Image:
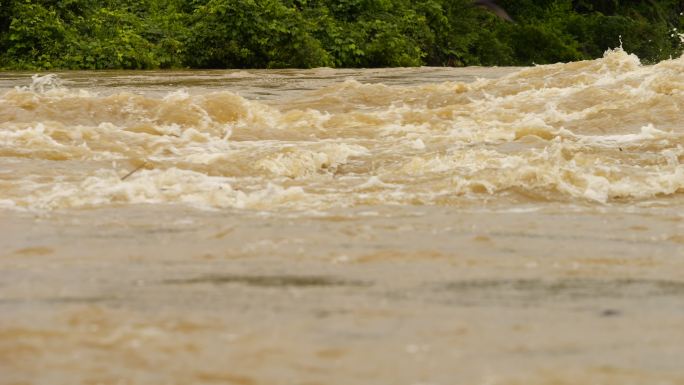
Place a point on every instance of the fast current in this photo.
(593, 132)
(434, 226)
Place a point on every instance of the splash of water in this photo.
(606, 130)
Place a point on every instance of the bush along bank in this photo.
(150, 34)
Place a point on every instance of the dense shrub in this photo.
(252, 33)
(141, 34)
(83, 34)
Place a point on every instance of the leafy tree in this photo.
(252, 33)
(139, 34)
(35, 36)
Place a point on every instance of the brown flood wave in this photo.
(607, 130)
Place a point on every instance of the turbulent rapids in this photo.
(436, 226)
(608, 130)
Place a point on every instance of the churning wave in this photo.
(606, 130)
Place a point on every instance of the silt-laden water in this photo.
(389, 226)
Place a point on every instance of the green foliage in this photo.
(252, 33)
(35, 36)
(85, 34)
(145, 34)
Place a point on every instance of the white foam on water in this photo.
(154, 187)
(594, 131)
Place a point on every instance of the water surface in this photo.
(387, 226)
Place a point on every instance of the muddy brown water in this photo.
(390, 226)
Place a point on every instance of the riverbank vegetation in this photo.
(149, 34)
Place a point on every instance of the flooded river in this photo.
(434, 226)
